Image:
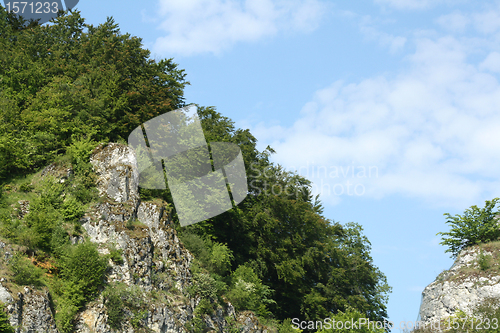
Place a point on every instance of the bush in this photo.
(114, 304)
(59, 240)
(72, 209)
(215, 257)
(71, 301)
(118, 297)
(44, 216)
(484, 261)
(82, 271)
(24, 272)
(80, 150)
(247, 292)
(25, 187)
(475, 226)
(116, 255)
(203, 285)
(83, 266)
(220, 258)
(5, 326)
(287, 327)
(197, 246)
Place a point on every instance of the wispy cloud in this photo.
(455, 22)
(408, 4)
(431, 130)
(368, 28)
(200, 26)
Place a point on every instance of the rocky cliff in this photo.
(153, 271)
(472, 281)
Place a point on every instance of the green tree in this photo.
(247, 292)
(475, 226)
(316, 267)
(70, 78)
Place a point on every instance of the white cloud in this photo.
(431, 131)
(455, 22)
(488, 21)
(492, 62)
(198, 26)
(394, 43)
(407, 4)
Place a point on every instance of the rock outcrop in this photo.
(154, 265)
(464, 287)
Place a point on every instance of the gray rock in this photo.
(5, 296)
(155, 262)
(32, 313)
(117, 173)
(455, 290)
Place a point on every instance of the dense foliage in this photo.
(66, 86)
(475, 226)
(70, 79)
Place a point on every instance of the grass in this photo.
(486, 264)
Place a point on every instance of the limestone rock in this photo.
(154, 266)
(116, 169)
(463, 287)
(32, 313)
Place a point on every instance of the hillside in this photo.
(466, 296)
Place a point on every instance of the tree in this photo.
(316, 267)
(66, 86)
(71, 78)
(475, 226)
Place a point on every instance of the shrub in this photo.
(24, 272)
(42, 221)
(203, 285)
(114, 304)
(197, 246)
(247, 292)
(84, 266)
(72, 299)
(116, 255)
(72, 209)
(204, 307)
(475, 226)
(220, 259)
(215, 257)
(5, 326)
(82, 270)
(59, 240)
(80, 150)
(25, 187)
(287, 327)
(484, 261)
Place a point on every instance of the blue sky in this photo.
(408, 89)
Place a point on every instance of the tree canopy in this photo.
(475, 226)
(69, 79)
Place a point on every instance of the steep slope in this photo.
(148, 275)
(473, 281)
